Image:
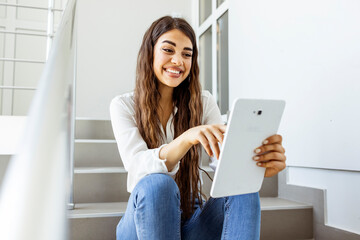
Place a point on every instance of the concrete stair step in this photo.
(84, 170)
(96, 153)
(281, 219)
(100, 153)
(93, 210)
(93, 129)
(108, 184)
(95, 140)
(100, 185)
(286, 220)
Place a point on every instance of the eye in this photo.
(167, 50)
(188, 55)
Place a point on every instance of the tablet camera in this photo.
(258, 112)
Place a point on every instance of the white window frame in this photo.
(211, 21)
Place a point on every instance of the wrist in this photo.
(185, 140)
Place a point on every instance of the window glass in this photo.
(219, 2)
(223, 63)
(204, 10)
(205, 59)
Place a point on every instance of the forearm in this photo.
(174, 151)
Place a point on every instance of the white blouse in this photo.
(140, 161)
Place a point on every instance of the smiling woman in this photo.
(160, 125)
(163, 129)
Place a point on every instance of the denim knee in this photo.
(250, 200)
(156, 185)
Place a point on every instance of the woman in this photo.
(161, 129)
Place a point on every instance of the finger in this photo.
(273, 139)
(218, 134)
(205, 143)
(272, 167)
(276, 165)
(270, 156)
(272, 147)
(214, 143)
(221, 127)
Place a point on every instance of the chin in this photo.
(173, 84)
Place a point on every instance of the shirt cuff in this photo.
(162, 161)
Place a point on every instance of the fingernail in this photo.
(266, 141)
(258, 150)
(256, 158)
(259, 164)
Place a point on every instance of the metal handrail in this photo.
(17, 88)
(20, 60)
(35, 189)
(28, 34)
(71, 137)
(28, 6)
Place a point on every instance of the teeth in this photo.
(172, 71)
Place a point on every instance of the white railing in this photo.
(49, 35)
(35, 190)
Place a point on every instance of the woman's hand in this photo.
(271, 155)
(208, 135)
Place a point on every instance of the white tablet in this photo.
(251, 121)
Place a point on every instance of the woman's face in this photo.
(172, 58)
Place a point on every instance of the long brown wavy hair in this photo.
(186, 97)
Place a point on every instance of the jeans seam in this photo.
(179, 225)
(139, 215)
(226, 216)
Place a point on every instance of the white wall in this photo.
(307, 53)
(12, 129)
(109, 36)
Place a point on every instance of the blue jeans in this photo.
(153, 212)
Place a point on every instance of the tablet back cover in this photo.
(236, 172)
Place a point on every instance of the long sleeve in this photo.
(138, 160)
(212, 115)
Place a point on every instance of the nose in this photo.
(176, 60)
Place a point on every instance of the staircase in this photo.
(100, 194)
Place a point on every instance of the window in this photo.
(213, 50)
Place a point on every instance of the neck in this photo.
(166, 93)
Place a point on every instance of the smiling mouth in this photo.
(173, 71)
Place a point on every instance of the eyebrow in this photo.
(174, 44)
